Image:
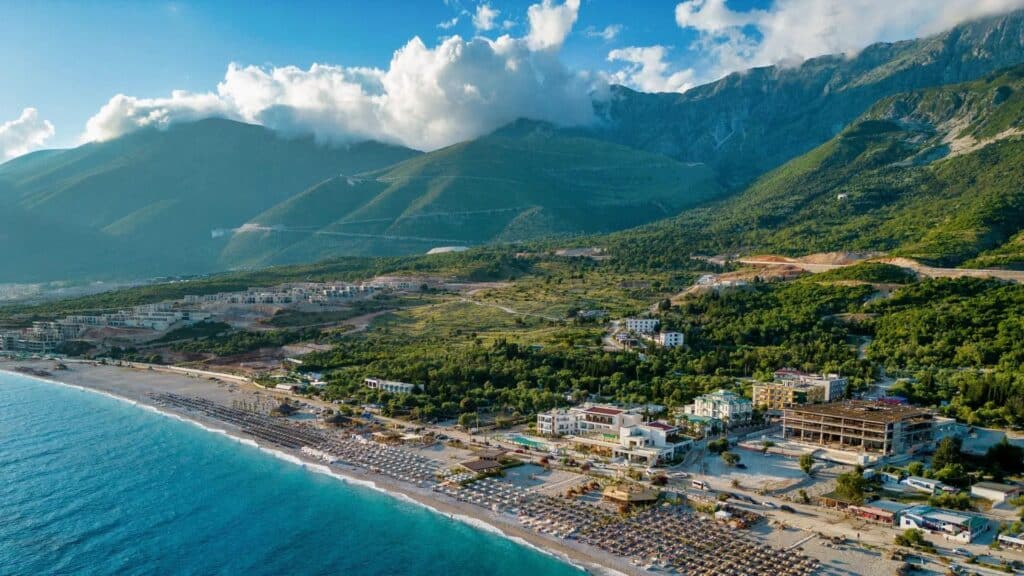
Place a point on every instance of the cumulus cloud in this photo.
(793, 30)
(28, 132)
(646, 70)
(608, 33)
(485, 17)
(550, 23)
(428, 97)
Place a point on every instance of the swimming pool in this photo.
(524, 441)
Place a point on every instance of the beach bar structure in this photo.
(951, 525)
(871, 430)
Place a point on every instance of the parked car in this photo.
(787, 508)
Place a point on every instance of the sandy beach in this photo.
(135, 385)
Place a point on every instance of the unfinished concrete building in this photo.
(873, 430)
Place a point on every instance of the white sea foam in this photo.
(476, 523)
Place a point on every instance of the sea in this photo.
(90, 484)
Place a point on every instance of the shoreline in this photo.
(574, 554)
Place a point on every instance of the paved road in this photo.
(921, 269)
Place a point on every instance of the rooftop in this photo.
(660, 425)
(604, 410)
(480, 465)
(1004, 488)
(863, 410)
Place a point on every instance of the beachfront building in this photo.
(833, 385)
(864, 431)
(643, 444)
(642, 325)
(723, 405)
(995, 492)
(884, 512)
(587, 419)
(951, 525)
(389, 386)
(557, 422)
(777, 395)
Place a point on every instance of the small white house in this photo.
(669, 339)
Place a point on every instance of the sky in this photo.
(422, 73)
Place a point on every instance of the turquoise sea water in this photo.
(92, 485)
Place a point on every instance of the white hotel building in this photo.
(724, 405)
(389, 386)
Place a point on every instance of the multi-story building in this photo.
(642, 325)
(833, 384)
(778, 395)
(669, 339)
(648, 444)
(729, 407)
(557, 422)
(869, 430)
(389, 386)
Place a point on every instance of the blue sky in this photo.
(66, 60)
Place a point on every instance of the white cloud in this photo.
(608, 33)
(449, 24)
(484, 18)
(428, 97)
(550, 23)
(793, 30)
(28, 132)
(647, 71)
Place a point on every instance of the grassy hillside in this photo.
(162, 192)
(524, 181)
(935, 175)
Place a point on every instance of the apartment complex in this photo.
(669, 339)
(778, 395)
(46, 337)
(729, 407)
(642, 325)
(833, 384)
(870, 430)
(389, 386)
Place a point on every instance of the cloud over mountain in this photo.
(793, 30)
(428, 97)
(24, 134)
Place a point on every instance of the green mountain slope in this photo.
(751, 122)
(162, 192)
(936, 175)
(524, 181)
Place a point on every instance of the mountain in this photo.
(934, 174)
(524, 181)
(753, 121)
(155, 195)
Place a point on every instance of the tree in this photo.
(850, 486)
(1008, 457)
(910, 537)
(766, 445)
(915, 468)
(947, 452)
(718, 446)
(467, 420)
(807, 463)
(731, 458)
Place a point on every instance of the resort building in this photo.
(867, 430)
(834, 385)
(951, 525)
(389, 386)
(995, 492)
(884, 512)
(630, 495)
(557, 422)
(647, 444)
(777, 395)
(642, 325)
(729, 407)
